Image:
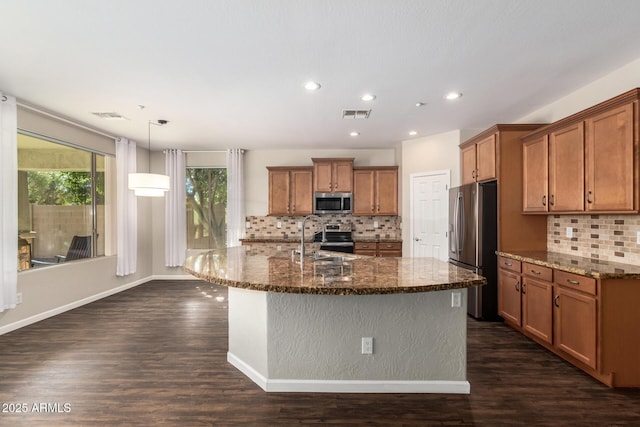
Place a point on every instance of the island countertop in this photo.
(267, 269)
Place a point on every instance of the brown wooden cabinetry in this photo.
(381, 249)
(509, 290)
(537, 293)
(587, 162)
(290, 190)
(375, 190)
(478, 160)
(499, 151)
(333, 175)
(590, 322)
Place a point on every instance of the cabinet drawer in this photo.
(364, 245)
(390, 246)
(509, 264)
(577, 282)
(537, 271)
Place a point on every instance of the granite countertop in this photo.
(573, 264)
(297, 240)
(267, 269)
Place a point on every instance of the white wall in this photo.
(257, 178)
(613, 84)
(428, 154)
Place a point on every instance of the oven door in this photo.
(344, 247)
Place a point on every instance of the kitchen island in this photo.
(300, 328)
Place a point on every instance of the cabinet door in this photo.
(537, 312)
(468, 164)
(509, 296)
(301, 192)
(322, 176)
(566, 169)
(486, 159)
(610, 160)
(343, 176)
(575, 320)
(386, 192)
(365, 248)
(534, 178)
(279, 192)
(363, 192)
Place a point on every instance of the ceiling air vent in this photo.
(110, 116)
(355, 114)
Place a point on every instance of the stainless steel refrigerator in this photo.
(473, 229)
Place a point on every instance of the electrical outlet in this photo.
(367, 345)
(279, 247)
(247, 224)
(569, 232)
(299, 225)
(19, 298)
(375, 224)
(279, 224)
(456, 299)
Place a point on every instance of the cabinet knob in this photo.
(517, 286)
(544, 200)
(555, 300)
(551, 200)
(537, 273)
(573, 282)
(589, 194)
(524, 288)
(508, 264)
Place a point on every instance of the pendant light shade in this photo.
(149, 184)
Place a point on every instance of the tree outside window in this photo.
(206, 208)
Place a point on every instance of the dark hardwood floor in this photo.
(155, 355)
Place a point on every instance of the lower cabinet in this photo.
(381, 249)
(589, 322)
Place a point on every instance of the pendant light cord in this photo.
(159, 123)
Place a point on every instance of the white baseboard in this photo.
(348, 386)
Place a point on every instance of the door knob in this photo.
(417, 239)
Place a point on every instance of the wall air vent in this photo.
(355, 114)
(110, 116)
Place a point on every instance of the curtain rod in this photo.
(62, 119)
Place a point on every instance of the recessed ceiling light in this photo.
(420, 104)
(312, 86)
(413, 132)
(354, 133)
(452, 95)
(368, 97)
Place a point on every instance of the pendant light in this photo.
(149, 184)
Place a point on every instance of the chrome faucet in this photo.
(304, 220)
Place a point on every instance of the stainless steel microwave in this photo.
(332, 203)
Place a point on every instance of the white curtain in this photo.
(175, 209)
(8, 201)
(127, 209)
(235, 196)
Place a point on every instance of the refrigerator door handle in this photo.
(460, 234)
(453, 237)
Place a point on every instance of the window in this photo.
(61, 202)
(206, 208)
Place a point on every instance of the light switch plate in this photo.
(375, 224)
(569, 232)
(279, 224)
(638, 237)
(456, 299)
(247, 224)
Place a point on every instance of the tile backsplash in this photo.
(605, 237)
(265, 227)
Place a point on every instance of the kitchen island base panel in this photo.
(312, 343)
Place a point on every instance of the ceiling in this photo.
(230, 73)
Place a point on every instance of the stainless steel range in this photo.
(335, 237)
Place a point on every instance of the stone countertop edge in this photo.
(336, 290)
(578, 265)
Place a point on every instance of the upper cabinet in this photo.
(478, 160)
(375, 190)
(496, 154)
(290, 190)
(586, 162)
(333, 175)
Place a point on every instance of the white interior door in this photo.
(430, 214)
